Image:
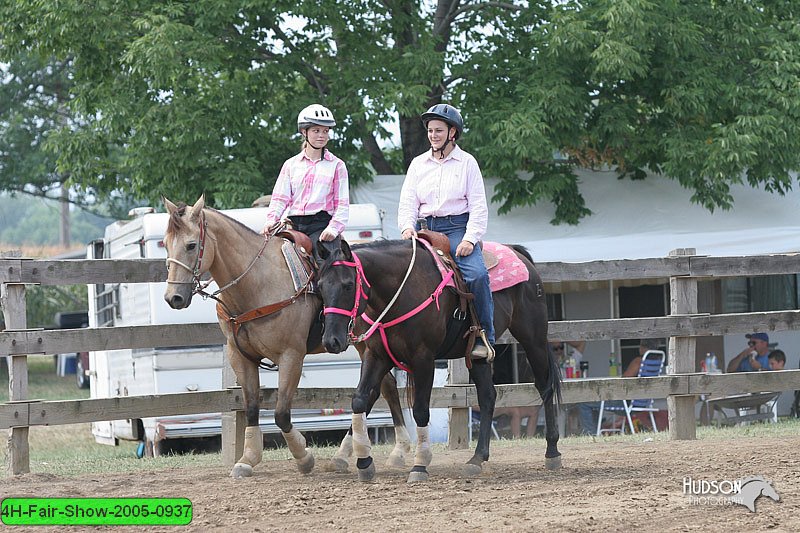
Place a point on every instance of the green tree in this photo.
(35, 93)
(181, 96)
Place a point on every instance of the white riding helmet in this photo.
(315, 114)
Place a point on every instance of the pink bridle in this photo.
(361, 280)
(380, 326)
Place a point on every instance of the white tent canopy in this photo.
(630, 220)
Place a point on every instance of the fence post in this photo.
(683, 301)
(12, 299)
(233, 422)
(458, 426)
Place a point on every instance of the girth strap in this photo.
(237, 321)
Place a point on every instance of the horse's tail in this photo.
(522, 250)
(552, 389)
(410, 390)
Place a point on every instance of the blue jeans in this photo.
(587, 411)
(472, 268)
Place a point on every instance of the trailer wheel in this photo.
(148, 449)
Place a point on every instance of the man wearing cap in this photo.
(753, 358)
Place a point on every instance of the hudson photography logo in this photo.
(726, 492)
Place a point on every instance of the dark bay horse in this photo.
(367, 278)
(252, 274)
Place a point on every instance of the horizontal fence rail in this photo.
(81, 271)
(54, 413)
(681, 267)
(39, 341)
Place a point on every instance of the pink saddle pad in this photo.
(509, 271)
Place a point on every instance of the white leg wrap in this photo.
(424, 456)
(346, 448)
(402, 439)
(253, 446)
(362, 446)
(296, 443)
(402, 446)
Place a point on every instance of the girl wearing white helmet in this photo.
(445, 186)
(312, 189)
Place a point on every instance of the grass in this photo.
(71, 450)
(43, 382)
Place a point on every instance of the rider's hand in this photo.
(328, 234)
(409, 234)
(464, 248)
(269, 229)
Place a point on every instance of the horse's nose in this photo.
(175, 301)
(332, 345)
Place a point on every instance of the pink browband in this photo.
(434, 297)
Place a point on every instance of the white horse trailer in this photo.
(134, 372)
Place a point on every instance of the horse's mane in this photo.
(176, 221)
(382, 243)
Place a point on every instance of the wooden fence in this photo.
(680, 386)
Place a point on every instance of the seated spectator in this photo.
(587, 410)
(565, 350)
(777, 360)
(753, 358)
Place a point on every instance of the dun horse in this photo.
(364, 281)
(253, 276)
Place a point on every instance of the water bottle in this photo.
(612, 365)
(714, 368)
(707, 362)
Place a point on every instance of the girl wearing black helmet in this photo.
(445, 186)
(312, 189)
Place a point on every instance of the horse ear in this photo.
(324, 249)
(171, 208)
(348, 255)
(198, 206)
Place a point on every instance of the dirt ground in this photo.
(603, 486)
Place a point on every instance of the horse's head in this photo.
(341, 286)
(187, 254)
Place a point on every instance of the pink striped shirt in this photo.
(306, 187)
(441, 187)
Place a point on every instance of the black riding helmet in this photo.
(448, 114)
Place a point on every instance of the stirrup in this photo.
(483, 351)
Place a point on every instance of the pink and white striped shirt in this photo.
(441, 187)
(306, 187)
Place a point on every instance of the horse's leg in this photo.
(247, 375)
(402, 441)
(546, 377)
(288, 379)
(481, 374)
(372, 371)
(340, 462)
(423, 382)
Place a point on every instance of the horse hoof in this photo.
(417, 477)
(241, 470)
(306, 464)
(471, 470)
(338, 465)
(367, 474)
(552, 463)
(396, 461)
